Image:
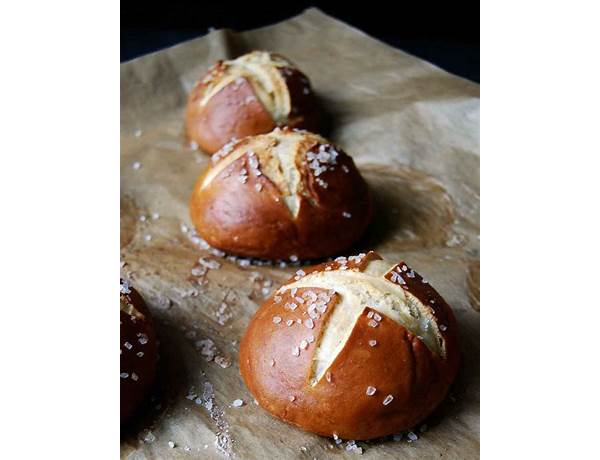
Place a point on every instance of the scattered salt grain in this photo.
(443, 327)
(171, 444)
(223, 361)
(347, 215)
(147, 237)
(237, 403)
(372, 343)
(296, 351)
(388, 399)
(371, 390)
(412, 436)
(136, 165)
(134, 377)
(276, 319)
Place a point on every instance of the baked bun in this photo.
(279, 195)
(246, 96)
(138, 351)
(358, 348)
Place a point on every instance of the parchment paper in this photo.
(412, 129)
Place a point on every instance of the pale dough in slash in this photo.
(358, 290)
(279, 156)
(261, 69)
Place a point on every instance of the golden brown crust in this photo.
(234, 100)
(272, 207)
(373, 363)
(138, 351)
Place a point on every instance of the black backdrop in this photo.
(445, 33)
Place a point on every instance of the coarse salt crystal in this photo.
(443, 327)
(304, 344)
(296, 351)
(373, 323)
(388, 399)
(372, 342)
(134, 377)
(237, 403)
(136, 165)
(276, 319)
(371, 391)
(309, 323)
(171, 444)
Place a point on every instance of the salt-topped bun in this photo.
(249, 95)
(357, 348)
(281, 195)
(138, 350)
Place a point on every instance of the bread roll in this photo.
(249, 95)
(281, 195)
(358, 348)
(138, 350)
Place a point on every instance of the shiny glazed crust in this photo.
(138, 349)
(279, 195)
(382, 379)
(246, 96)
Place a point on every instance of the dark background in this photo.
(444, 33)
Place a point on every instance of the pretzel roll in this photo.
(138, 351)
(246, 96)
(357, 348)
(281, 195)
